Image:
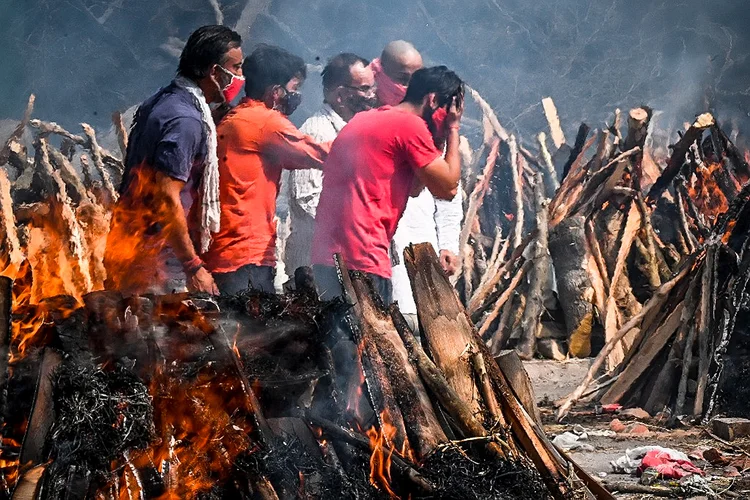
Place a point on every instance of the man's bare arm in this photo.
(442, 175)
(170, 212)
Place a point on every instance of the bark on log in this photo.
(705, 324)
(446, 327)
(638, 120)
(568, 248)
(538, 277)
(422, 425)
(460, 412)
(433, 293)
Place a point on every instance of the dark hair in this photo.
(438, 79)
(269, 65)
(208, 45)
(338, 70)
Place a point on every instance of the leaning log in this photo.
(422, 425)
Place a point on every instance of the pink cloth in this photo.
(389, 92)
(667, 466)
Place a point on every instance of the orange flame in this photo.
(380, 460)
(705, 192)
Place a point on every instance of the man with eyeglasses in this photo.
(348, 88)
(256, 142)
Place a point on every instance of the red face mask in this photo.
(439, 134)
(234, 87)
(388, 92)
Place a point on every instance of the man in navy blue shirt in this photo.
(168, 206)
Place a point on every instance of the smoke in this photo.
(86, 58)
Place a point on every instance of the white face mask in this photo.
(234, 87)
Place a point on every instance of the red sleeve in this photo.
(290, 148)
(419, 147)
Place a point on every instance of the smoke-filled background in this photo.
(86, 58)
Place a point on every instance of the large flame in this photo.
(380, 460)
(705, 192)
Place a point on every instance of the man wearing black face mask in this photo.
(348, 88)
(257, 141)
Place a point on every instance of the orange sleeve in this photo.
(286, 146)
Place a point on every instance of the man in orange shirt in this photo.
(256, 141)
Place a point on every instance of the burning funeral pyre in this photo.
(191, 396)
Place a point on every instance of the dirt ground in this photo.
(553, 380)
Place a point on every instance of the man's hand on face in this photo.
(202, 281)
(449, 262)
(455, 112)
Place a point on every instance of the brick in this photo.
(638, 430)
(635, 413)
(731, 428)
(617, 426)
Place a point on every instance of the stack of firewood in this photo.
(618, 260)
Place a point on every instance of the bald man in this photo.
(425, 219)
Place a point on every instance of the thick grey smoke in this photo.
(86, 58)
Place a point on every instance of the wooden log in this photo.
(475, 202)
(17, 133)
(570, 188)
(379, 386)
(538, 277)
(507, 294)
(122, 134)
(461, 413)
(70, 228)
(71, 178)
(488, 112)
(550, 179)
(643, 359)
(12, 255)
(583, 132)
(679, 151)
(422, 425)
(519, 381)
(517, 194)
(568, 248)
(445, 326)
(436, 297)
(638, 119)
(97, 156)
(705, 326)
(485, 385)
(656, 301)
(42, 413)
(553, 120)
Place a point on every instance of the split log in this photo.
(656, 301)
(79, 193)
(638, 120)
(652, 347)
(520, 382)
(11, 246)
(567, 246)
(570, 187)
(70, 228)
(550, 179)
(679, 151)
(517, 192)
(381, 392)
(488, 112)
(97, 156)
(485, 386)
(445, 325)
(538, 278)
(436, 297)
(122, 134)
(705, 324)
(475, 202)
(461, 413)
(553, 120)
(583, 132)
(17, 133)
(422, 425)
(507, 294)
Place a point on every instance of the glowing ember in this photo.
(705, 192)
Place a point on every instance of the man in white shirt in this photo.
(348, 88)
(425, 219)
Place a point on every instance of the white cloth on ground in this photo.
(209, 187)
(425, 220)
(304, 191)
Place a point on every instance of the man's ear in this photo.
(431, 100)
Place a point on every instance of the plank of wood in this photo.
(550, 113)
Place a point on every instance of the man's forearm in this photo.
(452, 155)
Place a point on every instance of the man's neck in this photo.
(410, 108)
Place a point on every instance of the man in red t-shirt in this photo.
(375, 162)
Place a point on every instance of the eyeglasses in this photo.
(364, 89)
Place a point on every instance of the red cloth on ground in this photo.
(389, 92)
(667, 466)
(368, 176)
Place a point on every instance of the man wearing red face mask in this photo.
(168, 207)
(370, 171)
(256, 142)
(425, 218)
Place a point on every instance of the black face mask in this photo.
(357, 102)
(290, 102)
